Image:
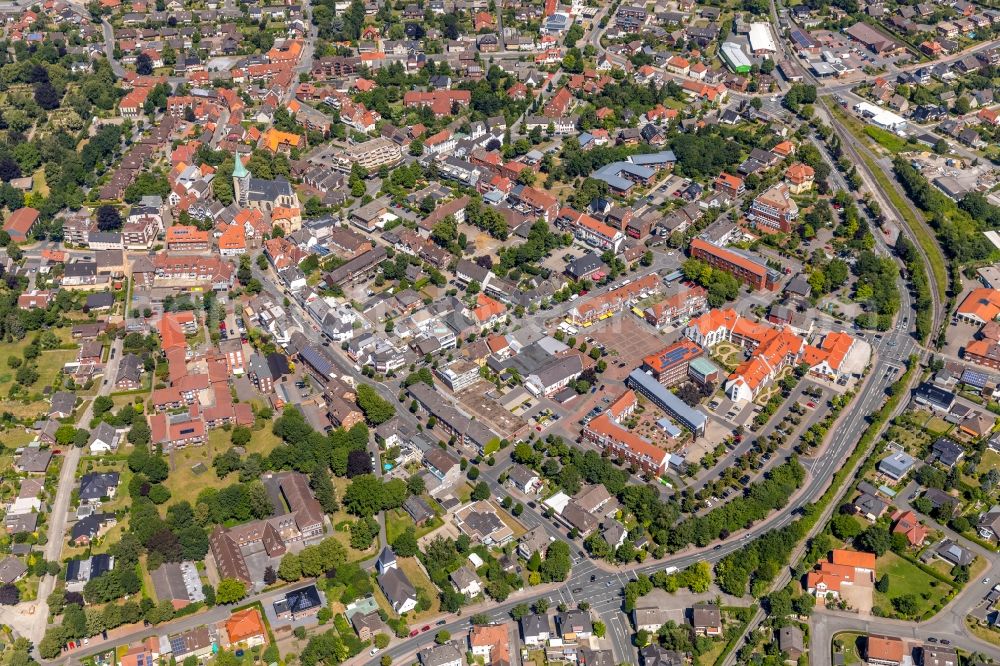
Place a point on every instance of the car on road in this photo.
(608, 584)
(577, 590)
(944, 641)
(374, 651)
(593, 578)
(932, 639)
(986, 581)
(441, 623)
(414, 633)
(426, 627)
(718, 547)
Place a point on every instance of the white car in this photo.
(373, 652)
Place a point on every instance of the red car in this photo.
(414, 633)
(810, 405)
(426, 627)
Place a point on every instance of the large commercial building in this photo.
(774, 208)
(370, 155)
(735, 58)
(743, 268)
(691, 418)
(669, 366)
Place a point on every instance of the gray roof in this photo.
(951, 551)
(897, 464)
(441, 654)
(706, 615)
(396, 587)
(535, 625)
(34, 459)
(11, 569)
(129, 368)
(463, 577)
(63, 402)
(104, 432)
(96, 485)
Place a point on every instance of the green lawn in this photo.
(990, 460)
(891, 142)
(851, 648)
(906, 578)
(49, 363)
(397, 521)
(185, 484)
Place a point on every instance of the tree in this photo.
(230, 591)
(481, 491)
(240, 436)
(882, 584)
(139, 434)
(876, 539)
(143, 64)
(845, 527)
(376, 410)
(405, 544)
(415, 485)
(364, 497)
(46, 96)
(9, 594)
(363, 532)
(108, 218)
(442, 637)
(358, 463)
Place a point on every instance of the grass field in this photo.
(708, 658)
(185, 484)
(990, 460)
(49, 364)
(891, 142)
(905, 578)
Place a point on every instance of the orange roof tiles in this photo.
(496, 638)
(243, 625)
(833, 349)
(604, 426)
(885, 648)
(488, 308)
(689, 351)
(799, 173)
(981, 303)
(622, 403)
(785, 148)
(182, 233)
(729, 256)
(274, 139)
(853, 558)
(233, 238)
(171, 334)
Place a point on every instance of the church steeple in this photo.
(241, 181)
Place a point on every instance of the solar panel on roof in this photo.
(177, 645)
(975, 378)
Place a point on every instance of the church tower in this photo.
(241, 181)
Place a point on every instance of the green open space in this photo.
(905, 578)
(191, 468)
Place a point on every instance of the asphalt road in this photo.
(59, 510)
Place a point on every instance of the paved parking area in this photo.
(627, 339)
